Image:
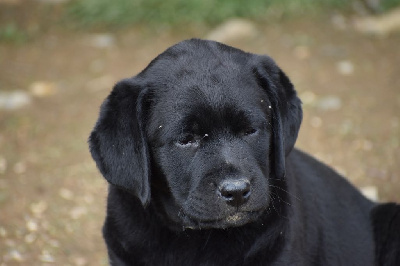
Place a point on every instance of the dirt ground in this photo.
(52, 198)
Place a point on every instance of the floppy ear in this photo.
(286, 111)
(117, 142)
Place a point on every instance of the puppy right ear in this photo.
(286, 112)
(117, 142)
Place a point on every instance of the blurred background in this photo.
(60, 58)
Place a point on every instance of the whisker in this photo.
(285, 191)
(280, 199)
(278, 212)
(277, 179)
(272, 202)
(208, 238)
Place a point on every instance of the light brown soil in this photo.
(52, 198)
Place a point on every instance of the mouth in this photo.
(236, 219)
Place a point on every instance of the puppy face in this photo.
(202, 130)
(211, 145)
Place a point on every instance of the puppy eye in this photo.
(250, 131)
(187, 140)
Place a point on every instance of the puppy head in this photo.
(205, 127)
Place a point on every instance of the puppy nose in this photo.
(235, 191)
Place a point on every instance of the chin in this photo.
(233, 220)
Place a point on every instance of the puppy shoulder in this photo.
(386, 225)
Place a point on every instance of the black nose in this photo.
(235, 191)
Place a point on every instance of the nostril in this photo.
(235, 191)
(227, 196)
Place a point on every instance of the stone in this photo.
(371, 192)
(234, 29)
(101, 40)
(42, 89)
(380, 26)
(345, 67)
(14, 100)
(329, 103)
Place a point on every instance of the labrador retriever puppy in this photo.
(198, 150)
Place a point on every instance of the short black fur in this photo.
(199, 152)
(386, 222)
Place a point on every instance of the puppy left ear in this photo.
(117, 142)
(286, 114)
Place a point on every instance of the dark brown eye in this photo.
(187, 140)
(250, 131)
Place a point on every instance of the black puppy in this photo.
(198, 151)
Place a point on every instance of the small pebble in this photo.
(308, 97)
(329, 103)
(38, 207)
(14, 100)
(3, 232)
(233, 29)
(32, 225)
(104, 40)
(54, 243)
(345, 67)
(79, 261)
(3, 165)
(316, 121)
(46, 257)
(339, 22)
(19, 168)
(30, 238)
(66, 194)
(77, 212)
(370, 192)
(42, 89)
(15, 255)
